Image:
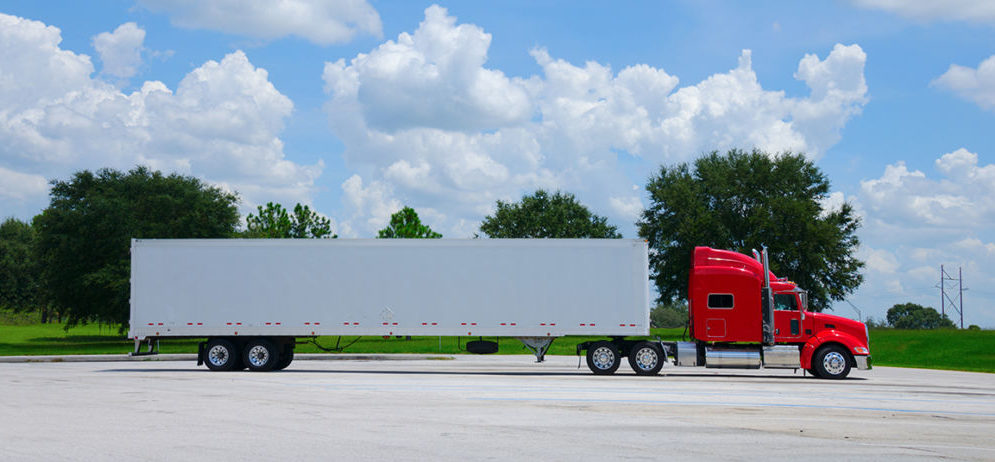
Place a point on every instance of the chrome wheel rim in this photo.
(834, 363)
(646, 358)
(258, 355)
(603, 358)
(218, 355)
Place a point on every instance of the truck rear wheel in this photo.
(603, 358)
(832, 362)
(645, 358)
(221, 355)
(260, 355)
(285, 359)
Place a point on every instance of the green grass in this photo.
(963, 350)
(51, 339)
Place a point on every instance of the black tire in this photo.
(285, 359)
(832, 362)
(221, 355)
(260, 355)
(603, 358)
(646, 358)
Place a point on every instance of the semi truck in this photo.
(253, 300)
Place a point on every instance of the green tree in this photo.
(740, 201)
(274, 221)
(674, 314)
(19, 286)
(405, 224)
(84, 236)
(542, 215)
(913, 316)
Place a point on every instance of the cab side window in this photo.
(785, 302)
(720, 301)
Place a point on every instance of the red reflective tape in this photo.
(238, 324)
(514, 324)
(312, 332)
(228, 323)
(278, 324)
(424, 323)
(317, 323)
(269, 324)
(503, 324)
(160, 323)
(583, 324)
(632, 325)
(552, 323)
(542, 324)
(621, 325)
(355, 323)
(462, 323)
(201, 324)
(151, 323)
(383, 323)
(435, 324)
(592, 324)
(473, 324)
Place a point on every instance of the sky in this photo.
(359, 107)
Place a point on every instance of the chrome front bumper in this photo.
(863, 362)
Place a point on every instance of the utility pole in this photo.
(958, 303)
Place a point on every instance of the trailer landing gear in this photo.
(538, 345)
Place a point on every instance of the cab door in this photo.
(787, 317)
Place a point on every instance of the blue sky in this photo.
(360, 107)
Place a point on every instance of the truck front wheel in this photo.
(645, 358)
(221, 355)
(603, 358)
(831, 362)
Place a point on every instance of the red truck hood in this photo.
(824, 321)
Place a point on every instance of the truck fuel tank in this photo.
(732, 358)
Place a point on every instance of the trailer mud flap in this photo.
(200, 353)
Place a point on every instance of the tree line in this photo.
(72, 262)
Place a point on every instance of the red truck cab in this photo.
(728, 308)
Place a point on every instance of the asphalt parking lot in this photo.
(495, 407)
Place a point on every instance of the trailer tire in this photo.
(646, 358)
(221, 355)
(832, 362)
(603, 358)
(285, 359)
(260, 355)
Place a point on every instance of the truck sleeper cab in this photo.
(740, 315)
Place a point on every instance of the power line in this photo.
(956, 303)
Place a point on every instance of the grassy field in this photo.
(943, 349)
(962, 350)
(51, 339)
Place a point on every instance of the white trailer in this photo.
(252, 298)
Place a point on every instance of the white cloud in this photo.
(976, 11)
(915, 222)
(323, 22)
(905, 196)
(121, 50)
(426, 117)
(222, 123)
(19, 186)
(975, 85)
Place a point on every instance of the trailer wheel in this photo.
(221, 355)
(832, 362)
(603, 358)
(645, 358)
(260, 355)
(285, 359)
